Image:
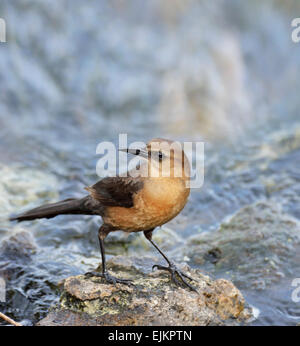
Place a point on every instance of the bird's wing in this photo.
(116, 191)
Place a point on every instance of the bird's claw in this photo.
(173, 270)
(109, 278)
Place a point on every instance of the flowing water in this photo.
(75, 73)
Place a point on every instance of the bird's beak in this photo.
(139, 152)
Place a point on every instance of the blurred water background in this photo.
(75, 73)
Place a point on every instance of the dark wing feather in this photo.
(116, 191)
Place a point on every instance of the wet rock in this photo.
(256, 247)
(20, 245)
(30, 284)
(15, 254)
(151, 300)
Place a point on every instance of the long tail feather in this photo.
(68, 206)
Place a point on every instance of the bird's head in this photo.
(164, 158)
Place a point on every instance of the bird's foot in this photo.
(175, 271)
(109, 278)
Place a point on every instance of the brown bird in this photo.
(141, 201)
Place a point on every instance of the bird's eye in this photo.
(137, 152)
(160, 155)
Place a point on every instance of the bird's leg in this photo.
(102, 234)
(171, 268)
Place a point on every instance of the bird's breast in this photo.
(159, 201)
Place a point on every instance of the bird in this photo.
(139, 201)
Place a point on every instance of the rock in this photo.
(30, 281)
(18, 246)
(16, 254)
(151, 300)
(256, 247)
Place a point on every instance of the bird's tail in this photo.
(68, 206)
